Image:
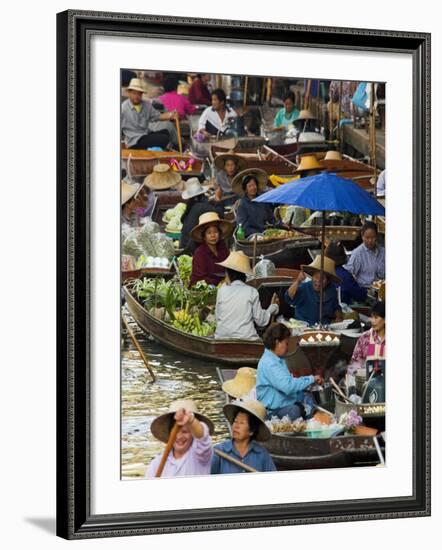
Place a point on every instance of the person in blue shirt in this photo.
(304, 295)
(276, 388)
(350, 290)
(287, 115)
(247, 419)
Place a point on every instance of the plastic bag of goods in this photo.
(264, 268)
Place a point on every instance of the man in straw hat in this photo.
(254, 217)
(242, 384)
(227, 166)
(194, 195)
(308, 166)
(304, 295)
(247, 419)
(237, 305)
(210, 234)
(137, 117)
(276, 388)
(129, 203)
(191, 453)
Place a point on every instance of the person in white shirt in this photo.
(238, 305)
(217, 118)
(192, 452)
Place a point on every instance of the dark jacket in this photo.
(254, 216)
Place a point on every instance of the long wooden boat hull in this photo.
(234, 352)
(287, 253)
(143, 162)
(297, 452)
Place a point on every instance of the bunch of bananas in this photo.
(191, 323)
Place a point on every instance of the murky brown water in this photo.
(178, 377)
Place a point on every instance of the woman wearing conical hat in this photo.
(210, 235)
(247, 419)
(238, 307)
(227, 166)
(192, 451)
(129, 203)
(304, 295)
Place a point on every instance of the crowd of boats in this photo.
(210, 268)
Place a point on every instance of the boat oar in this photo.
(378, 450)
(178, 131)
(229, 458)
(255, 242)
(137, 345)
(339, 391)
(170, 444)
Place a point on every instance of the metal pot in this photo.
(322, 395)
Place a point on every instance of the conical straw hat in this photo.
(308, 162)
(333, 155)
(162, 177)
(128, 191)
(315, 267)
(242, 383)
(305, 114)
(259, 174)
(221, 159)
(211, 218)
(193, 188)
(237, 261)
(160, 426)
(256, 408)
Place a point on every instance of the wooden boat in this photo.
(297, 452)
(142, 162)
(264, 158)
(289, 253)
(235, 352)
(349, 235)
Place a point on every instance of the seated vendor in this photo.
(276, 388)
(210, 233)
(371, 344)
(254, 217)
(367, 261)
(237, 305)
(287, 114)
(350, 290)
(304, 296)
(227, 165)
(247, 419)
(129, 203)
(194, 195)
(215, 120)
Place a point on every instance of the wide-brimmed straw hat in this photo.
(306, 114)
(308, 162)
(211, 218)
(221, 159)
(137, 85)
(259, 174)
(129, 191)
(237, 261)
(160, 426)
(242, 383)
(162, 177)
(193, 188)
(254, 408)
(333, 155)
(329, 268)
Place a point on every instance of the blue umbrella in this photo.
(325, 191)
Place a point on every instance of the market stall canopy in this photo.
(325, 191)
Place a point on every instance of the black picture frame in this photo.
(74, 32)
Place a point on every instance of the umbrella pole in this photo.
(321, 291)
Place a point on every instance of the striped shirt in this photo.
(366, 265)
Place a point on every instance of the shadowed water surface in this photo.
(178, 377)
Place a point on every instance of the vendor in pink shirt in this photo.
(192, 451)
(173, 101)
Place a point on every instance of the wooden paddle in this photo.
(229, 458)
(137, 345)
(338, 390)
(170, 444)
(178, 131)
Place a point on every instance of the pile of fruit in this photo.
(192, 324)
(173, 218)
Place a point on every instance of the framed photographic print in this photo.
(226, 244)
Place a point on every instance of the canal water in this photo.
(178, 377)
